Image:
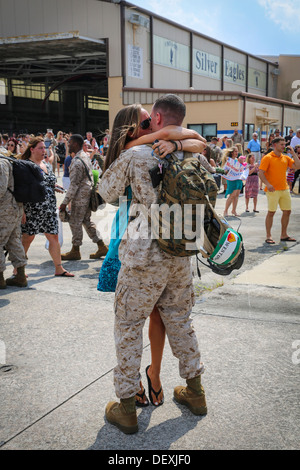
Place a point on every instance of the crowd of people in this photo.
(56, 156)
(147, 281)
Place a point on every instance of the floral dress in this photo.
(252, 184)
(41, 217)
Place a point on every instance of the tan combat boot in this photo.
(102, 250)
(19, 279)
(123, 415)
(2, 282)
(192, 396)
(73, 255)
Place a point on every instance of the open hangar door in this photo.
(57, 81)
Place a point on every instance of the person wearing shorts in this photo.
(272, 172)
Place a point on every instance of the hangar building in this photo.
(72, 64)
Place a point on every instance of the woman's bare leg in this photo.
(55, 253)
(157, 335)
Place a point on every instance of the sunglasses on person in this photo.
(146, 123)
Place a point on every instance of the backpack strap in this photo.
(11, 160)
(7, 158)
(86, 169)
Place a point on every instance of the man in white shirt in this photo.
(91, 140)
(296, 139)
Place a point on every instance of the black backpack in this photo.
(29, 185)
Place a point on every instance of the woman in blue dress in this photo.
(234, 187)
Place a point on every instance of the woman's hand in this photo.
(162, 148)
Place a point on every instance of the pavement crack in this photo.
(2, 443)
(231, 317)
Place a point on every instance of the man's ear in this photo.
(158, 118)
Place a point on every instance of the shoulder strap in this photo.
(85, 167)
(12, 160)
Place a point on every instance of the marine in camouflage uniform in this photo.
(10, 228)
(78, 194)
(148, 277)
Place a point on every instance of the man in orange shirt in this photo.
(272, 172)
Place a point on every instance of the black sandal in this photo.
(141, 404)
(150, 390)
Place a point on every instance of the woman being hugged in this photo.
(132, 127)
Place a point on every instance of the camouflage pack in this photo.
(184, 185)
(188, 186)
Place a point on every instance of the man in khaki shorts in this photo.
(272, 172)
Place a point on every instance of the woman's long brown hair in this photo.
(125, 128)
(32, 144)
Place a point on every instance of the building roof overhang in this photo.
(55, 54)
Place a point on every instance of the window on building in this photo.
(96, 102)
(3, 92)
(286, 130)
(249, 130)
(35, 91)
(206, 130)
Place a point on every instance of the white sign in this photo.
(135, 62)
(235, 170)
(171, 54)
(206, 64)
(257, 79)
(234, 72)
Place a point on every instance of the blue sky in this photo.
(259, 27)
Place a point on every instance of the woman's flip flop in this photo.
(65, 274)
(153, 391)
(142, 396)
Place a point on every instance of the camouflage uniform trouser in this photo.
(10, 238)
(168, 285)
(81, 217)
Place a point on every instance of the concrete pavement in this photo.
(57, 353)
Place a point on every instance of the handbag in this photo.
(95, 198)
(108, 276)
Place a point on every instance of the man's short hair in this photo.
(172, 108)
(78, 139)
(277, 139)
(215, 138)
